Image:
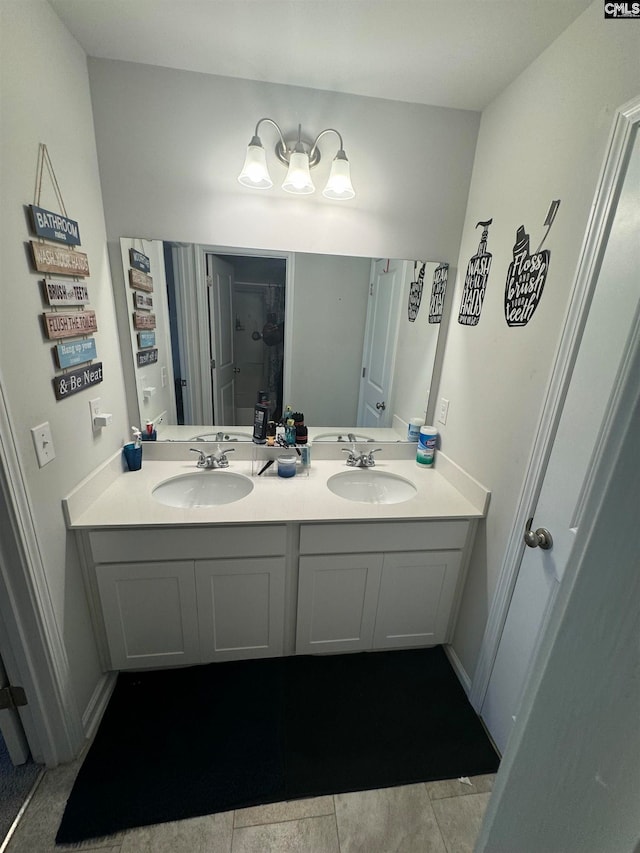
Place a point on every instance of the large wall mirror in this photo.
(351, 342)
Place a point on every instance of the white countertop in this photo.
(125, 500)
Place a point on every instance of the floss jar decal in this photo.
(526, 275)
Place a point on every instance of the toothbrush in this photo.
(137, 436)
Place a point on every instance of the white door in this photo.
(611, 316)
(220, 281)
(380, 338)
(11, 727)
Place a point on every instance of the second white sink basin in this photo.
(203, 488)
(373, 487)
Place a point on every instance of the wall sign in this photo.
(146, 339)
(475, 283)
(48, 258)
(61, 293)
(54, 226)
(139, 261)
(69, 325)
(527, 274)
(142, 301)
(140, 280)
(68, 355)
(77, 380)
(438, 290)
(415, 290)
(147, 356)
(144, 321)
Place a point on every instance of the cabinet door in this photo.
(416, 596)
(241, 607)
(337, 597)
(150, 614)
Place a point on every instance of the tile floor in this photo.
(431, 817)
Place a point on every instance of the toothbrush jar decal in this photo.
(438, 290)
(415, 290)
(527, 275)
(475, 283)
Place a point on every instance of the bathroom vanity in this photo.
(289, 568)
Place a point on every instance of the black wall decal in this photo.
(527, 274)
(438, 290)
(475, 282)
(415, 290)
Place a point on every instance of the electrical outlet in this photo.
(163, 375)
(444, 410)
(94, 408)
(43, 443)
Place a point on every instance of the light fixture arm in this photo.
(277, 127)
(322, 133)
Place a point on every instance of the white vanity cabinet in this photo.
(385, 585)
(173, 597)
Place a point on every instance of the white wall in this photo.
(45, 98)
(543, 138)
(329, 310)
(171, 145)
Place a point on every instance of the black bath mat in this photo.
(180, 743)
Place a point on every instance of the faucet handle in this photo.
(202, 459)
(370, 461)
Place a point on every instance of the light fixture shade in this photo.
(298, 178)
(254, 173)
(339, 183)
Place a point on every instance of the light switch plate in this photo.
(94, 410)
(43, 443)
(444, 410)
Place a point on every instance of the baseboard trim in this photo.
(459, 670)
(98, 704)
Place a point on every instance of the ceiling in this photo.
(451, 53)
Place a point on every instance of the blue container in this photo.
(133, 456)
(286, 466)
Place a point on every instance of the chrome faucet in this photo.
(213, 460)
(359, 458)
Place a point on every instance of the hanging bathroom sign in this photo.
(77, 380)
(77, 352)
(55, 259)
(438, 290)
(54, 226)
(475, 283)
(70, 325)
(139, 261)
(147, 356)
(144, 321)
(146, 339)
(527, 274)
(63, 293)
(142, 301)
(140, 280)
(415, 290)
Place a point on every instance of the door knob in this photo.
(382, 406)
(540, 538)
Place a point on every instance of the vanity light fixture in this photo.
(300, 157)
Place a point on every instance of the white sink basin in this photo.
(371, 487)
(203, 488)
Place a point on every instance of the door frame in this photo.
(32, 646)
(589, 262)
(192, 308)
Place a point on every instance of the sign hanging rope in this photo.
(45, 160)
